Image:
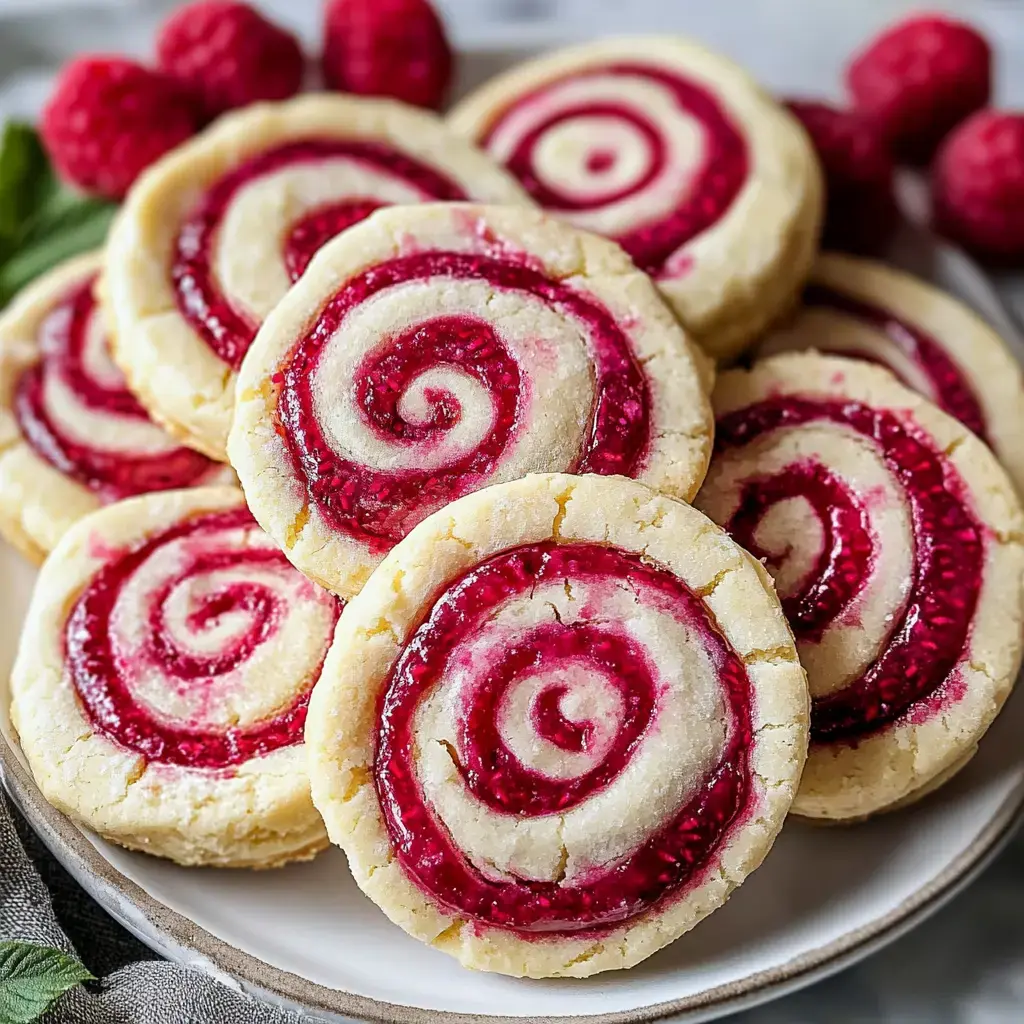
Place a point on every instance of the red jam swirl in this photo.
(702, 201)
(381, 506)
(309, 235)
(95, 667)
(550, 723)
(929, 634)
(665, 863)
(951, 391)
(111, 474)
(228, 331)
(847, 552)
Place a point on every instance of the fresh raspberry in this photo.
(918, 80)
(228, 55)
(860, 212)
(387, 48)
(109, 118)
(978, 186)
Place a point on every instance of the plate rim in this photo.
(178, 938)
(179, 935)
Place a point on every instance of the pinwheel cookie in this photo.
(895, 541)
(163, 678)
(675, 153)
(434, 349)
(71, 435)
(934, 344)
(561, 723)
(213, 234)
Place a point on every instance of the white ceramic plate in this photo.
(305, 936)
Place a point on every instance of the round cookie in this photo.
(72, 437)
(212, 236)
(930, 341)
(163, 677)
(894, 538)
(435, 349)
(679, 156)
(563, 720)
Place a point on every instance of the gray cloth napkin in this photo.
(135, 987)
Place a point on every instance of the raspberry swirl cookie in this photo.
(931, 342)
(72, 437)
(434, 349)
(895, 541)
(162, 683)
(561, 723)
(212, 236)
(675, 153)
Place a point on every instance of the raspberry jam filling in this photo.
(64, 360)
(701, 196)
(928, 636)
(98, 672)
(308, 235)
(381, 506)
(226, 330)
(663, 864)
(846, 556)
(951, 391)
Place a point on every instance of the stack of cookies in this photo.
(516, 604)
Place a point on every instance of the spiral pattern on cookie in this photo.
(637, 152)
(873, 541)
(543, 690)
(199, 646)
(76, 412)
(409, 390)
(904, 348)
(328, 185)
(932, 342)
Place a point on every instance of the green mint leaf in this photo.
(78, 227)
(41, 221)
(27, 182)
(66, 211)
(32, 978)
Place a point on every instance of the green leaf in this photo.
(78, 228)
(32, 978)
(27, 182)
(66, 211)
(41, 221)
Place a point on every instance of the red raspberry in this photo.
(228, 55)
(387, 48)
(109, 118)
(918, 80)
(860, 212)
(978, 186)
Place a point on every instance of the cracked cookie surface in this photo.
(562, 721)
(163, 677)
(213, 235)
(895, 539)
(434, 349)
(72, 437)
(678, 155)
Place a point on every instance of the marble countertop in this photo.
(966, 964)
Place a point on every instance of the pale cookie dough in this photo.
(162, 682)
(435, 349)
(561, 723)
(72, 437)
(895, 539)
(214, 233)
(933, 343)
(677, 154)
